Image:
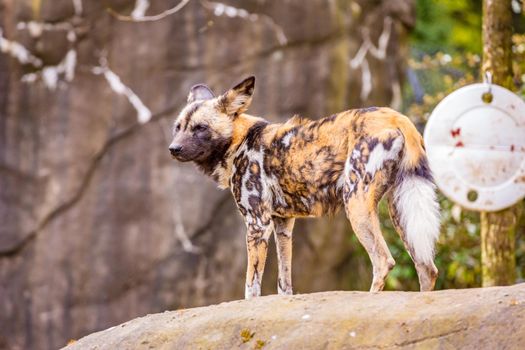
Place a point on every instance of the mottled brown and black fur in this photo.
(303, 168)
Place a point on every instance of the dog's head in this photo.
(203, 129)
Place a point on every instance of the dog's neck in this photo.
(241, 127)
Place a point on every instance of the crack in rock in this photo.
(84, 184)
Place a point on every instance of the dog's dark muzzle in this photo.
(175, 151)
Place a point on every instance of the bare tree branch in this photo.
(140, 8)
(116, 84)
(180, 233)
(51, 75)
(18, 51)
(36, 29)
(220, 9)
(77, 4)
(379, 52)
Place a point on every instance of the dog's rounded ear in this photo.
(200, 92)
(237, 100)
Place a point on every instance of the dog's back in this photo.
(306, 159)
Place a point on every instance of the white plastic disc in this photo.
(476, 150)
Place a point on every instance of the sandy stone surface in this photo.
(490, 318)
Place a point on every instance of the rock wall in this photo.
(490, 318)
(97, 224)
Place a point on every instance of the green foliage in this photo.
(446, 55)
(448, 25)
(439, 75)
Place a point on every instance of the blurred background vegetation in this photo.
(446, 54)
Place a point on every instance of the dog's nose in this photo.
(175, 150)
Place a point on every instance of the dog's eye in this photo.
(200, 127)
(177, 127)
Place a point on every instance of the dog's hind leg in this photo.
(368, 175)
(365, 223)
(283, 243)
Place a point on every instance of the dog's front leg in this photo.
(283, 243)
(257, 246)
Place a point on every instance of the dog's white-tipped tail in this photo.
(418, 210)
(414, 197)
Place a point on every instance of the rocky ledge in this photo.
(486, 318)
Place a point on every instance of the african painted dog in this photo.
(305, 168)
